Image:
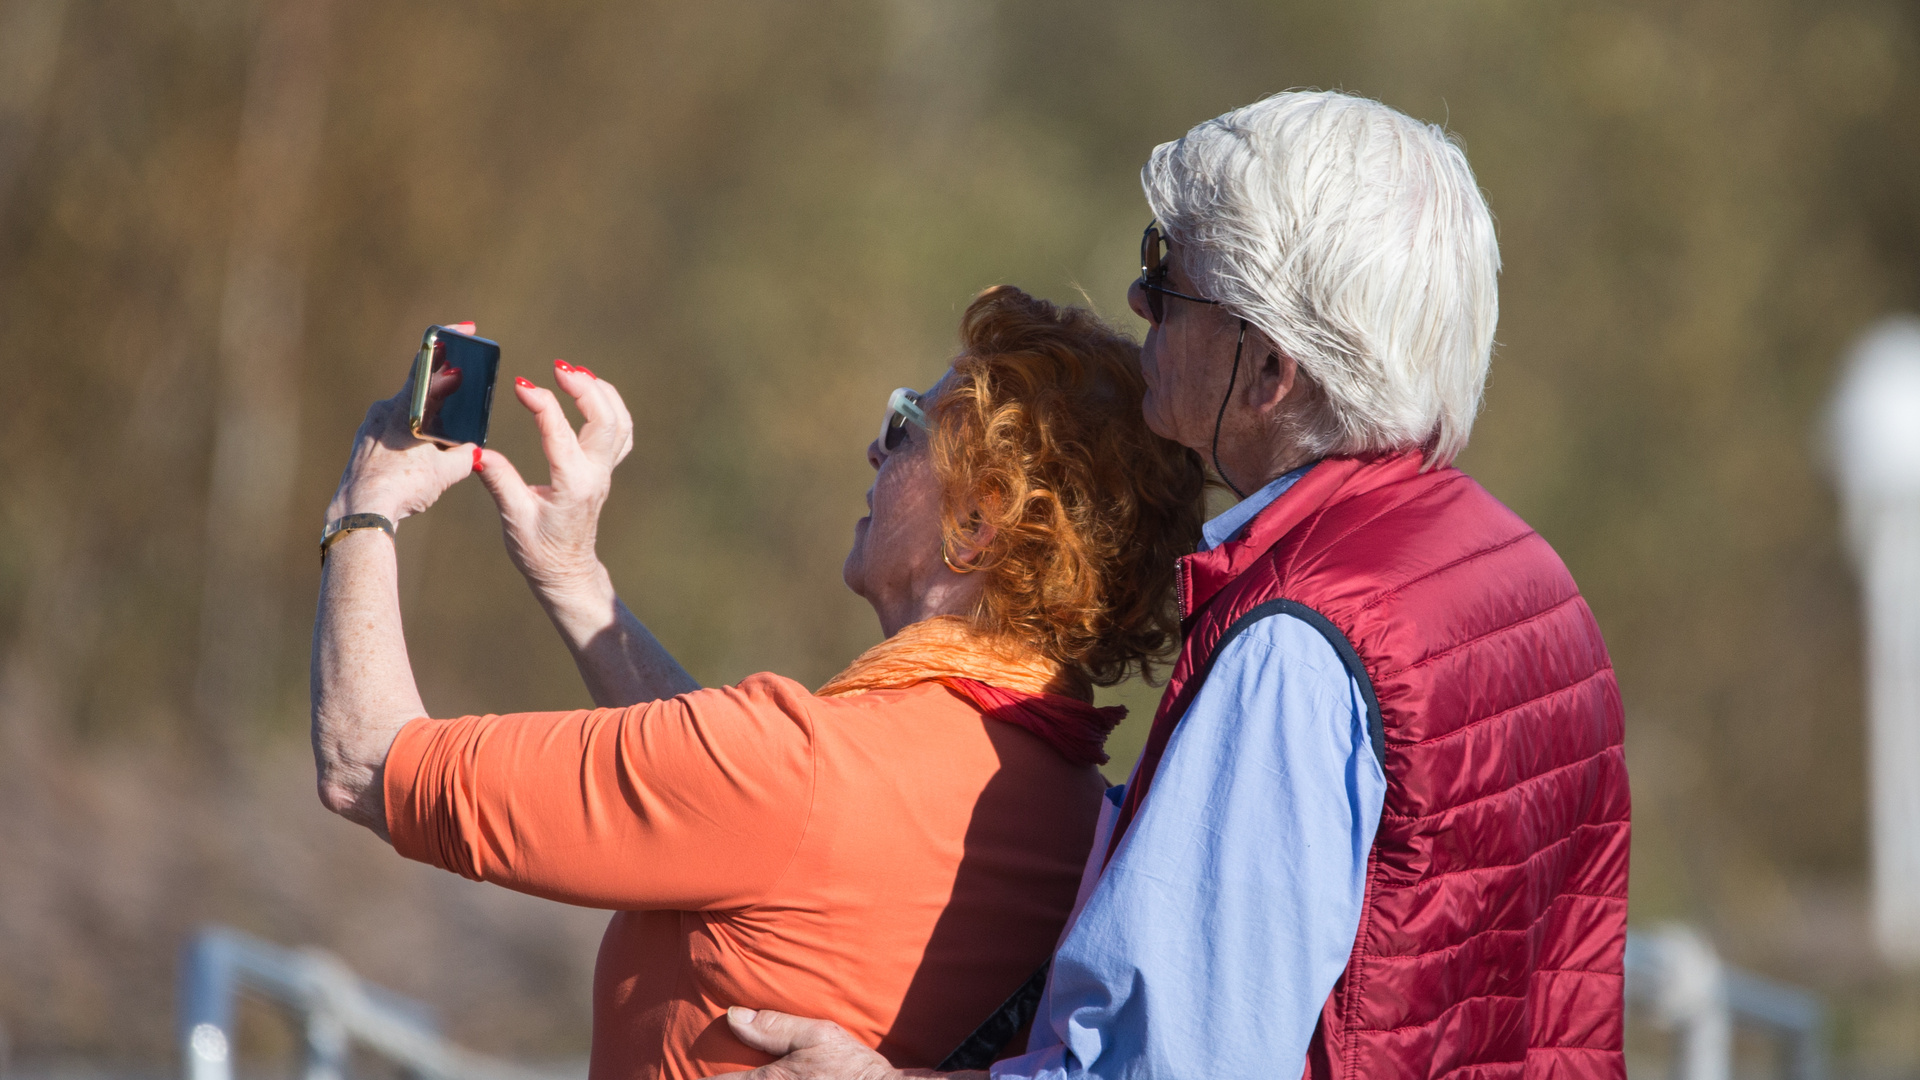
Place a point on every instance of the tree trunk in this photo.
(257, 418)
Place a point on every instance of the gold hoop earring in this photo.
(949, 561)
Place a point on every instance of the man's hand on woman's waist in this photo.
(814, 1050)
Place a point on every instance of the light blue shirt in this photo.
(1208, 945)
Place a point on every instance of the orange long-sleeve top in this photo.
(892, 860)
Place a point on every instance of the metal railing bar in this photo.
(337, 1006)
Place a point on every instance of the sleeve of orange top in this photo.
(695, 802)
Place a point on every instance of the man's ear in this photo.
(1273, 377)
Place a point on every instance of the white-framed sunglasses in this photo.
(903, 408)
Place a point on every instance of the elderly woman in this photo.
(899, 849)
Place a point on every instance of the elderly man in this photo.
(1380, 826)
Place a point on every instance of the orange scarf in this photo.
(1004, 678)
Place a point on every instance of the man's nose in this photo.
(1137, 300)
(874, 456)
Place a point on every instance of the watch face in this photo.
(458, 392)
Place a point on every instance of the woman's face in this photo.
(895, 564)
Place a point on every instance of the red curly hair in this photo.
(1039, 436)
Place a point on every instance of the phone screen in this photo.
(459, 388)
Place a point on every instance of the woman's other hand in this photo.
(550, 528)
(550, 531)
(393, 473)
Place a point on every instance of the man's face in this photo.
(1185, 359)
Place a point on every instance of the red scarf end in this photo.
(1073, 727)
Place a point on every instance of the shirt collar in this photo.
(1221, 529)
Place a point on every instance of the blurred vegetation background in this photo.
(224, 224)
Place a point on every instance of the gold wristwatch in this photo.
(341, 526)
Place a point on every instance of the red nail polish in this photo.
(478, 465)
(521, 380)
(589, 374)
(563, 365)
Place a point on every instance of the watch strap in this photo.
(341, 526)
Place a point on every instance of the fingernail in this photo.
(588, 372)
(521, 380)
(563, 365)
(478, 465)
(739, 1015)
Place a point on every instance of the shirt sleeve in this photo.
(695, 802)
(1214, 936)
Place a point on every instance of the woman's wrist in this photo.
(581, 603)
(351, 501)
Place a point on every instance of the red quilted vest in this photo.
(1491, 940)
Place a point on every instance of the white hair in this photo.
(1357, 240)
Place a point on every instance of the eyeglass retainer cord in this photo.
(1221, 416)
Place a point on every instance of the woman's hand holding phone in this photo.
(392, 473)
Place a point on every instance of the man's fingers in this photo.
(806, 1049)
(779, 1033)
(562, 446)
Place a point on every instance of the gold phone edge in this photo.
(422, 364)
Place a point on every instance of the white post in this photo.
(328, 1046)
(1875, 437)
(208, 1054)
(1677, 972)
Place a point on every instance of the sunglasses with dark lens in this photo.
(903, 408)
(1153, 273)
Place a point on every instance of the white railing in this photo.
(1672, 971)
(337, 1008)
(1688, 990)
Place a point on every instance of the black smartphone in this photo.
(453, 378)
